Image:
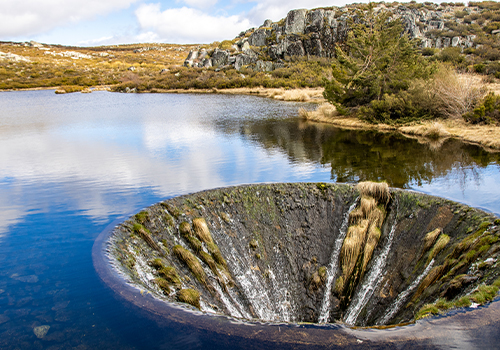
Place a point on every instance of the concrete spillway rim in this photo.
(318, 334)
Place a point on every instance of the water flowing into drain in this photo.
(402, 296)
(269, 252)
(332, 267)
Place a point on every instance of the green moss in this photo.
(426, 311)
(169, 273)
(253, 244)
(157, 264)
(216, 254)
(443, 304)
(195, 244)
(192, 263)
(463, 302)
(189, 296)
(484, 294)
(322, 272)
(142, 217)
(163, 285)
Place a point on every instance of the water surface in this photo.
(71, 164)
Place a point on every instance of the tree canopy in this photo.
(377, 58)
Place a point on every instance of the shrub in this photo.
(486, 112)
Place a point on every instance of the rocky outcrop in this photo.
(316, 33)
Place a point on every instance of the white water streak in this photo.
(402, 296)
(365, 291)
(332, 267)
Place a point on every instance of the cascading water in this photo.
(269, 252)
(393, 309)
(333, 265)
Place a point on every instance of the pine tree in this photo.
(376, 58)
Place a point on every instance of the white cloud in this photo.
(30, 17)
(277, 9)
(201, 4)
(188, 25)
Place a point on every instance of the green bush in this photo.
(486, 112)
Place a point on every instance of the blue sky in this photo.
(103, 22)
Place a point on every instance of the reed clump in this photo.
(163, 285)
(200, 228)
(189, 296)
(378, 190)
(185, 229)
(431, 237)
(146, 236)
(169, 274)
(438, 246)
(364, 233)
(192, 263)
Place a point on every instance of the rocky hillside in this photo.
(316, 33)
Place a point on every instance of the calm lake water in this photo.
(72, 164)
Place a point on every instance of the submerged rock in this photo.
(309, 252)
(41, 331)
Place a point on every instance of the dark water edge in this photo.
(71, 164)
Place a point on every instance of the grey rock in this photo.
(315, 21)
(267, 23)
(295, 21)
(41, 331)
(258, 38)
(220, 58)
(243, 60)
(263, 66)
(497, 31)
(455, 41)
(207, 62)
(131, 68)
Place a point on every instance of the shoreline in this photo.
(433, 132)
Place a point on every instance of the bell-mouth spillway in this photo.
(302, 253)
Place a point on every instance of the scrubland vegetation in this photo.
(378, 76)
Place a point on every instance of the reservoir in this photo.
(73, 165)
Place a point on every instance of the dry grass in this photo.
(351, 248)
(436, 131)
(189, 296)
(192, 263)
(438, 246)
(431, 277)
(430, 238)
(374, 234)
(201, 230)
(457, 93)
(378, 190)
(324, 113)
(185, 229)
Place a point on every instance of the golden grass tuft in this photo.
(189, 296)
(438, 246)
(201, 230)
(146, 236)
(352, 246)
(185, 229)
(436, 131)
(324, 113)
(431, 277)
(367, 205)
(170, 275)
(378, 190)
(430, 238)
(192, 263)
(216, 254)
(374, 234)
(163, 285)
